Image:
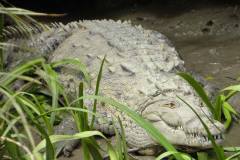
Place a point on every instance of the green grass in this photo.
(1, 40)
(30, 109)
(26, 106)
(220, 108)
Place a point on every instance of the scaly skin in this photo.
(140, 71)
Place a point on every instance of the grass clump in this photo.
(220, 108)
(26, 109)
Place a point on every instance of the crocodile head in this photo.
(178, 123)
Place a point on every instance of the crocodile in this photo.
(139, 71)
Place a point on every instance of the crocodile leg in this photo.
(66, 127)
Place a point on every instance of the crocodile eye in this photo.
(170, 105)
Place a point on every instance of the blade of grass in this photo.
(228, 117)
(97, 90)
(17, 96)
(123, 142)
(169, 153)
(82, 116)
(200, 91)
(89, 145)
(19, 70)
(83, 124)
(51, 78)
(22, 77)
(202, 156)
(230, 94)
(234, 156)
(229, 107)
(6, 122)
(218, 106)
(93, 149)
(50, 152)
(232, 88)
(165, 155)
(13, 148)
(10, 125)
(1, 40)
(118, 147)
(21, 114)
(20, 11)
(236, 150)
(112, 153)
(38, 106)
(23, 24)
(57, 138)
(231, 149)
(82, 68)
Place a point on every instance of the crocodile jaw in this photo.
(191, 137)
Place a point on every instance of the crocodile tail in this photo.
(39, 42)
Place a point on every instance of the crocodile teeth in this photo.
(180, 127)
(193, 137)
(218, 136)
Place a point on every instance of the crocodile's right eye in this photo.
(170, 105)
